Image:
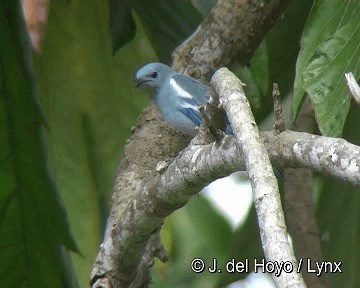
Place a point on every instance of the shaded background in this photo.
(82, 78)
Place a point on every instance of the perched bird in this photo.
(177, 96)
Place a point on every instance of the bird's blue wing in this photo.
(193, 115)
(189, 86)
(190, 94)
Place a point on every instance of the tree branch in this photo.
(119, 263)
(267, 201)
(300, 218)
(141, 216)
(299, 207)
(334, 157)
(279, 125)
(231, 33)
(199, 165)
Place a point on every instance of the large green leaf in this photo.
(275, 59)
(329, 48)
(33, 224)
(167, 23)
(90, 104)
(122, 24)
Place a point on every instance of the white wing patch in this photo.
(179, 90)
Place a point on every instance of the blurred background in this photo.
(84, 59)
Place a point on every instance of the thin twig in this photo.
(279, 125)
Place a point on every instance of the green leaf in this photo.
(330, 48)
(167, 23)
(122, 24)
(90, 104)
(257, 78)
(275, 59)
(33, 224)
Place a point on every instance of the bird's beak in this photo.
(139, 82)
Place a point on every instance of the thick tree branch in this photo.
(334, 157)
(169, 191)
(119, 263)
(231, 33)
(267, 201)
(199, 165)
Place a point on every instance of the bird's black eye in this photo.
(154, 75)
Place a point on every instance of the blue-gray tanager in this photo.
(177, 96)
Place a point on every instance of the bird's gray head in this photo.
(152, 76)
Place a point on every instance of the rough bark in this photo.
(270, 215)
(231, 33)
(198, 165)
(125, 256)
